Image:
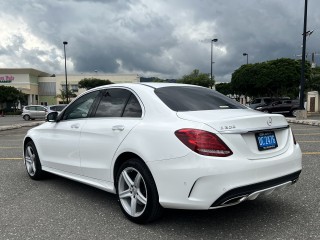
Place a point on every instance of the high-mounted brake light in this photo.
(203, 142)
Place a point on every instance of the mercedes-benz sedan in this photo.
(159, 145)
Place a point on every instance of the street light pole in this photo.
(246, 54)
(211, 62)
(302, 81)
(65, 67)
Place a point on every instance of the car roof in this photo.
(147, 84)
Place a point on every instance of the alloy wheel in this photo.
(132, 192)
(30, 160)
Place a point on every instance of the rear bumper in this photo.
(199, 182)
(251, 192)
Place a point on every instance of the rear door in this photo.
(118, 111)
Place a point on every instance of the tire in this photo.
(26, 117)
(293, 112)
(265, 111)
(32, 162)
(137, 192)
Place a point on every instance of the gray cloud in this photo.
(164, 39)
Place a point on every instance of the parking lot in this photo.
(57, 208)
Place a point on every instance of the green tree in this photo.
(156, 79)
(197, 78)
(273, 78)
(63, 95)
(313, 84)
(89, 83)
(225, 88)
(10, 96)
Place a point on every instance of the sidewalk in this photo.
(20, 125)
(13, 122)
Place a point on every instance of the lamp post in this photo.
(302, 80)
(246, 54)
(65, 67)
(211, 62)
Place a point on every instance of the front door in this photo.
(61, 141)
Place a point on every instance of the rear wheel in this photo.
(26, 117)
(294, 112)
(137, 192)
(32, 161)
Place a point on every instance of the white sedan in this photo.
(161, 145)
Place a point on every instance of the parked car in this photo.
(281, 106)
(55, 108)
(263, 101)
(33, 112)
(162, 145)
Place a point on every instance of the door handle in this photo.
(76, 125)
(118, 128)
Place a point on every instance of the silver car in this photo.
(33, 112)
(55, 108)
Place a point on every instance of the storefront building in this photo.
(43, 88)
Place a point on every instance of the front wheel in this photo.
(137, 192)
(32, 161)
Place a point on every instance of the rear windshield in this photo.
(188, 98)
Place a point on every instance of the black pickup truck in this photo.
(281, 106)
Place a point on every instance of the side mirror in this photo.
(52, 117)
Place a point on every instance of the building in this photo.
(43, 88)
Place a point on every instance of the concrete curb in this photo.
(304, 121)
(15, 126)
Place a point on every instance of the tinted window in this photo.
(133, 108)
(112, 103)
(80, 108)
(59, 108)
(32, 108)
(195, 99)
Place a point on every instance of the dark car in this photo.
(281, 106)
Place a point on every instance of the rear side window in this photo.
(188, 98)
(133, 108)
(38, 108)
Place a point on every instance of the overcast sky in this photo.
(165, 39)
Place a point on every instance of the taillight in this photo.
(203, 142)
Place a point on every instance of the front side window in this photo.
(188, 98)
(80, 108)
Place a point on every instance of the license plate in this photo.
(266, 140)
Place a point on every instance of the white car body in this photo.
(89, 149)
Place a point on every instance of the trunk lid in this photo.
(239, 127)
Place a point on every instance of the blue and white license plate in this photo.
(266, 140)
